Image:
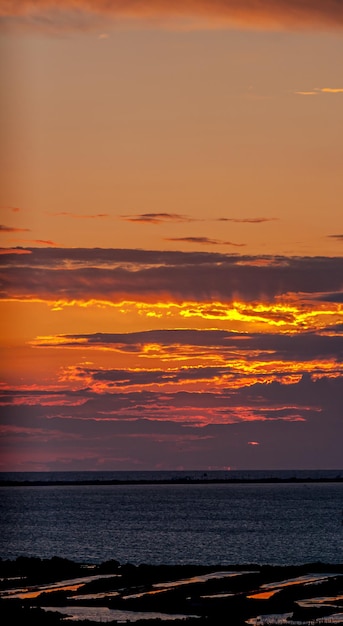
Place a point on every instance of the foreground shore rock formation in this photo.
(54, 591)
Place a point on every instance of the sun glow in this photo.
(287, 318)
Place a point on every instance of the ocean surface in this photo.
(280, 523)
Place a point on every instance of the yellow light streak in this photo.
(296, 314)
(56, 340)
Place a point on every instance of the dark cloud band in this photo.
(51, 274)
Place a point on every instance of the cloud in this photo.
(270, 14)
(331, 90)
(195, 429)
(126, 257)
(336, 237)
(13, 229)
(143, 377)
(247, 220)
(258, 402)
(6, 251)
(204, 241)
(157, 218)
(320, 90)
(80, 215)
(45, 242)
(265, 347)
(331, 297)
(39, 242)
(306, 93)
(335, 328)
(160, 218)
(115, 275)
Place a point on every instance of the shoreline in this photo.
(45, 591)
(169, 481)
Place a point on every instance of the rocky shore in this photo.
(48, 592)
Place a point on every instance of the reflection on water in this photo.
(335, 601)
(263, 595)
(26, 595)
(286, 619)
(308, 579)
(215, 596)
(185, 590)
(68, 585)
(96, 596)
(143, 594)
(200, 579)
(161, 587)
(103, 614)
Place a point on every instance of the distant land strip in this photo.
(168, 481)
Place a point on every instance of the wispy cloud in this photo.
(81, 216)
(45, 242)
(306, 93)
(272, 14)
(161, 218)
(13, 229)
(247, 220)
(331, 90)
(157, 218)
(39, 242)
(204, 241)
(336, 236)
(320, 90)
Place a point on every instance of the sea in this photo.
(206, 518)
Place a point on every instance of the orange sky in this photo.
(171, 232)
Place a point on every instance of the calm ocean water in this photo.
(272, 523)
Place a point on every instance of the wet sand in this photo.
(56, 591)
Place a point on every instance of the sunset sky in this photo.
(171, 234)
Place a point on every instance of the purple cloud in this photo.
(117, 275)
(13, 229)
(204, 241)
(305, 346)
(157, 218)
(154, 429)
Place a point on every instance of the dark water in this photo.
(288, 523)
